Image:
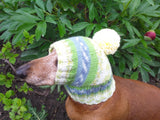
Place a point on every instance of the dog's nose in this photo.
(22, 71)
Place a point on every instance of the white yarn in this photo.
(108, 40)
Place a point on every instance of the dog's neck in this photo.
(92, 95)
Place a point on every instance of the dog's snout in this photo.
(22, 71)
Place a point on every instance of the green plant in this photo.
(6, 79)
(62, 96)
(16, 107)
(25, 88)
(36, 115)
(51, 20)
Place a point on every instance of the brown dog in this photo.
(132, 100)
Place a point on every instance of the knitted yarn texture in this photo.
(84, 69)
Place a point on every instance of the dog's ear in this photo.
(40, 71)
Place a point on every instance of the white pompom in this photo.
(108, 40)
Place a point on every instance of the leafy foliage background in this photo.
(32, 25)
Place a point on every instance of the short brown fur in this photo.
(132, 100)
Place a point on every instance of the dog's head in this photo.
(40, 71)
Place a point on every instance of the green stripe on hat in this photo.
(94, 63)
(73, 71)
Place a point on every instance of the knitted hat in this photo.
(83, 67)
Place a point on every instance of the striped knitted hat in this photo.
(83, 67)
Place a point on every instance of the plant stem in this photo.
(13, 68)
(125, 8)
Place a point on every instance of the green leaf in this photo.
(40, 3)
(136, 60)
(7, 102)
(23, 108)
(8, 83)
(146, 67)
(25, 18)
(51, 19)
(129, 27)
(153, 63)
(145, 19)
(79, 26)
(26, 26)
(52, 88)
(111, 60)
(40, 30)
(89, 29)
(92, 11)
(151, 51)
(130, 43)
(27, 116)
(133, 6)
(7, 108)
(9, 93)
(144, 75)
(6, 35)
(9, 11)
(143, 53)
(39, 12)
(12, 60)
(62, 29)
(17, 102)
(156, 25)
(122, 65)
(65, 21)
(3, 50)
(17, 37)
(137, 32)
(36, 44)
(26, 34)
(49, 6)
(135, 76)
(151, 2)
